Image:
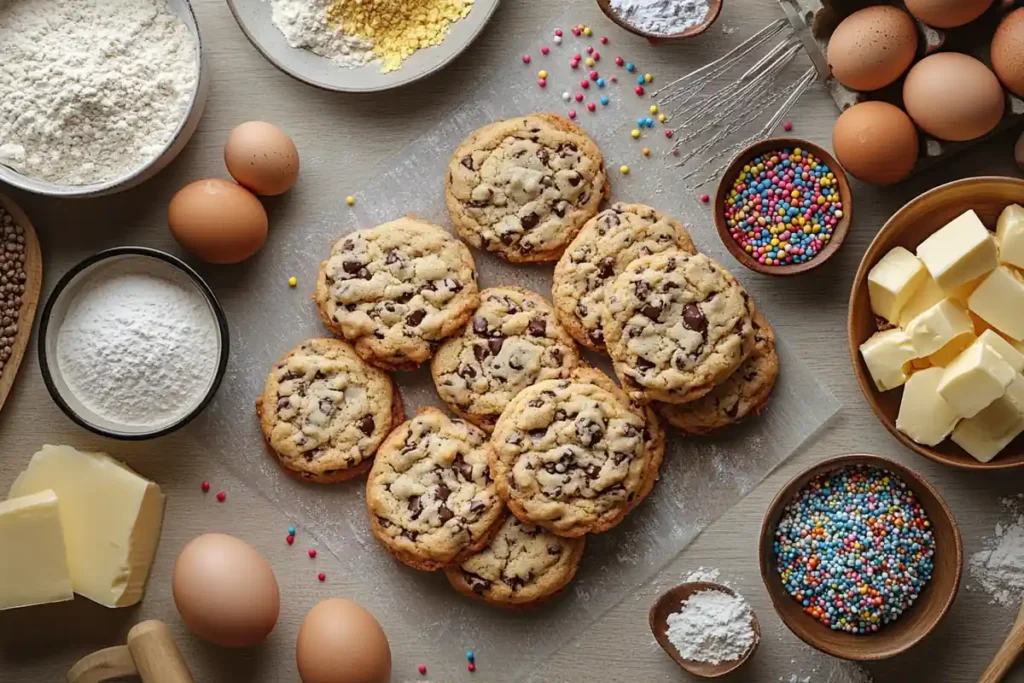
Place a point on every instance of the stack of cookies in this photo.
(546, 449)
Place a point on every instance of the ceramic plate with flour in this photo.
(342, 72)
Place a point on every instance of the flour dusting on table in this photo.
(999, 567)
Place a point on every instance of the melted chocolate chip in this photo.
(538, 327)
(443, 492)
(467, 161)
(445, 514)
(463, 467)
(530, 221)
(480, 352)
(467, 371)
(607, 268)
(476, 583)
(651, 311)
(476, 506)
(367, 425)
(415, 507)
(693, 318)
(495, 345)
(351, 267)
(415, 318)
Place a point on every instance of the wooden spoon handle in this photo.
(1008, 653)
(157, 656)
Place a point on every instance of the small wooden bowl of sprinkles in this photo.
(861, 557)
(783, 206)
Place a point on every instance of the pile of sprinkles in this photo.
(855, 549)
(783, 207)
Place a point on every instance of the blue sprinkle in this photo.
(604, 100)
(600, 83)
(291, 531)
(470, 656)
(630, 67)
(640, 80)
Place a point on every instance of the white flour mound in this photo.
(712, 627)
(999, 567)
(304, 25)
(662, 16)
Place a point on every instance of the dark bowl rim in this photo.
(44, 324)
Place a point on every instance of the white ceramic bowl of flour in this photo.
(145, 163)
(132, 343)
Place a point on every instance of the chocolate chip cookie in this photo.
(570, 456)
(605, 246)
(677, 325)
(512, 342)
(430, 495)
(397, 290)
(324, 411)
(524, 187)
(744, 393)
(523, 566)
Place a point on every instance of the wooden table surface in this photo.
(351, 135)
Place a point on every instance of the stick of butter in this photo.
(924, 415)
(975, 379)
(892, 282)
(1010, 232)
(992, 430)
(885, 354)
(111, 519)
(938, 326)
(33, 562)
(961, 251)
(999, 301)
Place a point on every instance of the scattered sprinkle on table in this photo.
(471, 668)
(350, 200)
(290, 539)
(783, 207)
(470, 656)
(322, 577)
(422, 669)
(312, 553)
(205, 486)
(624, 169)
(293, 281)
(787, 126)
(221, 497)
(855, 549)
(291, 531)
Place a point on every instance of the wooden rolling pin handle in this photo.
(156, 655)
(1008, 653)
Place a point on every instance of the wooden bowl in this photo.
(715, 8)
(907, 228)
(29, 300)
(725, 186)
(670, 602)
(914, 624)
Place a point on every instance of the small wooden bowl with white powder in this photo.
(663, 19)
(132, 343)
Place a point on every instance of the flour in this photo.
(662, 16)
(91, 90)
(712, 627)
(304, 24)
(999, 567)
(136, 349)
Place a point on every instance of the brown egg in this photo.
(953, 97)
(872, 47)
(948, 13)
(225, 591)
(876, 142)
(218, 221)
(341, 642)
(1008, 52)
(260, 156)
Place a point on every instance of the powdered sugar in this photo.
(713, 627)
(999, 567)
(304, 25)
(662, 16)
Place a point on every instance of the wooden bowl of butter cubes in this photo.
(936, 324)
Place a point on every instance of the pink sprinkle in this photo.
(668, 133)
(787, 126)
(542, 82)
(704, 198)
(290, 539)
(619, 61)
(558, 32)
(604, 40)
(591, 106)
(322, 577)
(615, 79)
(526, 59)
(590, 49)
(545, 49)
(577, 56)
(576, 32)
(471, 667)
(579, 96)
(594, 75)
(584, 84)
(221, 497)
(205, 486)
(639, 90)
(573, 64)
(572, 113)
(312, 552)
(423, 669)
(596, 56)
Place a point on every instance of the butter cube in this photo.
(999, 301)
(892, 282)
(975, 379)
(885, 354)
(924, 415)
(948, 353)
(33, 563)
(938, 326)
(990, 431)
(1010, 231)
(111, 519)
(1013, 357)
(924, 297)
(959, 252)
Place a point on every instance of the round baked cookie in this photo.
(524, 187)
(744, 393)
(677, 325)
(512, 342)
(605, 246)
(324, 411)
(570, 456)
(430, 495)
(396, 290)
(523, 566)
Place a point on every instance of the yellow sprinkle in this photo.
(662, 118)
(587, 31)
(646, 152)
(654, 109)
(635, 133)
(648, 78)
(542, 74)
(292, 281)
(350, 200)
(624, 169)
(589, 61)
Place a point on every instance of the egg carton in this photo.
(815, 20)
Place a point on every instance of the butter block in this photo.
(959, 252)
(924, 297)
(886, 353)
(111, 519)
(1010, 233)
(999, 301)
(948, 353)
(892, 282)
(1013, 357)
(33, 562)
(975, 379)
(986, 434)
(938, 326)
(924, 415)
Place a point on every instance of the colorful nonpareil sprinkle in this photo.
(635, 133)
(293, 281)
(471, 668)
(604, 40)
(624, 170)
(630, 67)
(646, 152)
(544, 50)
(579, 97)
(783, 207)
(572, 113)
(470, 656)
(526, 59)
(705, 198)
(566, 96)
(291, 531)
(619, 61)
(350, 200)
(855, 549)
(322, 577)
(604, 101)
(312, 553)
(221, 497)
(205, 486)
(639, 90)
(542, 82)
(290, 539)
(422, 669)
(591, 106)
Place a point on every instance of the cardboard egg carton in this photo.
(815, 20)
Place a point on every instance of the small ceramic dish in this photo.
(125, 260)
(908, 227)
(171, 149)
(714, 9)
(725, 186)
(671, 602)
(913, 625)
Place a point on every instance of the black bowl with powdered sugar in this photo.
(133, 344)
